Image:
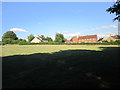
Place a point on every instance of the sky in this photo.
(68, 18)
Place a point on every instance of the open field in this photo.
(30, 49)
(75, 66)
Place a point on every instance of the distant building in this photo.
(112, 38)
(84, 39)
(39, 39)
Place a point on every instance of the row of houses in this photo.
(80, 39)
(83, 39)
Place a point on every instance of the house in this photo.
(112, 38)
(39, 39)
(84, 39)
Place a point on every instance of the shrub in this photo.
(7, 41)
(23, 43)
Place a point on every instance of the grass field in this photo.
(30, 49)
(54, 66)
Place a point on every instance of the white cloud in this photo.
(106, 35)
(109, 27)
(106, 27)
(72, 34)
(18, 29)
(68, 35)
(103, 35)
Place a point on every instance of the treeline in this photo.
(10, 38)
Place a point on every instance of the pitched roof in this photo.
(88, 36)
(114, 37)
(68, 41)
(41, 38)
(73, 38)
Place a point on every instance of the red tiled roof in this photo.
(68, 41)
(87, 37)
(74, 38)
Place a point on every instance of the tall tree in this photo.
(9, 35)
(49, 39)
(115, 9)
(30, 37)
(59, 37)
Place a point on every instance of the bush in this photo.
(23, 43)
(10, 41)
(7, 41)
(15, 42)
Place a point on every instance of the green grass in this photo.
(80, 67)
(30, 49)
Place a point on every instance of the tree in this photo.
(65, 39)
(118, 36)
(59, 37)
(8, 41)
(30, 37)
(115, 9)
(10, 35)
(100, 39)
(23, 40)
(49, 39)
(43, 36)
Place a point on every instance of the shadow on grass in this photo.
(64, 69)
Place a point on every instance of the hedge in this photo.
(59, 43)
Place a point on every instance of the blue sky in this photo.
(49, 18)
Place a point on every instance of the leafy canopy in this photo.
(49, 39)
(59, 37)
(30, 37)
(115, 9)
(9, 35)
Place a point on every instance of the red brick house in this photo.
(84, 39)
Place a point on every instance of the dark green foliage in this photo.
(118, 36)
(24, 43)
(49, 39)
(7, 41)
(115, 9)
(100, 39)
(59, 37)
(9, 35)
(61, 43)
(30, 37)
(105, 41)
(43, 36)
(0, 42)
(64, 69)
(22, 40)
(10, 41)
(65, 39)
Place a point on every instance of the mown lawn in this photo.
(80, 67)
(30, 49)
